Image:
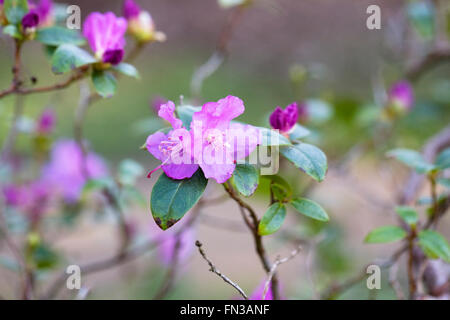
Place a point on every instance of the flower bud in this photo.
(46, 122)
(401, 96)
(284, 120)
(30, 20)
(140, 23)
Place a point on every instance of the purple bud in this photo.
(130, 9)
(401, 96)
(46, 121)
(113, 56)
(284, 120)
(30, 20)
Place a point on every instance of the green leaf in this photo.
(412, 159)
(129, 171)
(421, 15)
(443, 159)
(15, 10)
(231, 3)
(127, 69)
(280, 187)
(272, 219)
(408, 214)
(310, 209)
(385, 234)
(246, 179)
(97, 184)
(434, 245)
(12, 31)
(104, 83)
(273, 138)
(185, 114)
(308, 158)
(69, 57)
(171, 199)
(55, 36)
(299, 132)
(444, 182)
(44, 257)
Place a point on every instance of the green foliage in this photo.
(421, 15)
(246, 179)
(443, 159)
(185, 113)
(385, 234)
(15, 10)
(69, 57)
(281, 189)
(55, 36)
(272, 138)
(412, 159)
(171, 199)
(104, 83)
(310, 209)
(434, 245)
(272, 219)
(308, 158)
(12, 31)
(129, 171)
(299, 132)
(127, 69)
(408, 214)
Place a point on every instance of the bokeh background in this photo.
(345, 62)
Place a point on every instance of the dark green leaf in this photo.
(15, 10)
(272, 138)
(385, 234)
(55, 36)
(412, 159)
(185, 114)
(434, 245)
(69, 57)
(443, 159)
(272, 219)
(44, 257)
(308, 158)
(171, 199)
(310, 209)
(104, 83)
(127, 69)
(408, 214)
(246, 179)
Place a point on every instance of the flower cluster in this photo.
(214, 143)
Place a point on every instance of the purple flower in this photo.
(44, 10)
(105, 34)
(218, 142)
(14, 195)
(284, 120)
(173, 148)
(65, 170)
(131, 9)
(401, 96)
(259, 292)
(46, 121)
(140, 23)
(30, 20)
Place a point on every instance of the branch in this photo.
(213, 269)
(430, 61)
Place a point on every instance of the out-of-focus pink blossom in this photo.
(30, 20)
(44, 9)
(140, 23)
(401, 96)
(259, 292)
(105, 34)
(284, 120)
(66, 171)
(46, 121)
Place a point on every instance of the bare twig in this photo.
(213, 269)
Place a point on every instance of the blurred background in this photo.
(319, 52)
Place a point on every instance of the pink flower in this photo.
(44, 10)
(131, 9)
(401, 96)
(65, 169)
(140, 23)
(218, 142)
(173, 148)
(284, 120)
(46, 122)
(259, 292)
(105, 34)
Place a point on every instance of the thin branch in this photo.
(275, 265)
(213, 269)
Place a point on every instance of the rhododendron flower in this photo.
(30, 20)
(401, 96)
(284, 120)
(140, 23)
(44, 10)
(173, 148)
(66, 171)
(46, 122)
(220, 143)
(259, 292)
(105, 34)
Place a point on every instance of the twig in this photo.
(393, 281)
(213, 269)
(275, 265)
